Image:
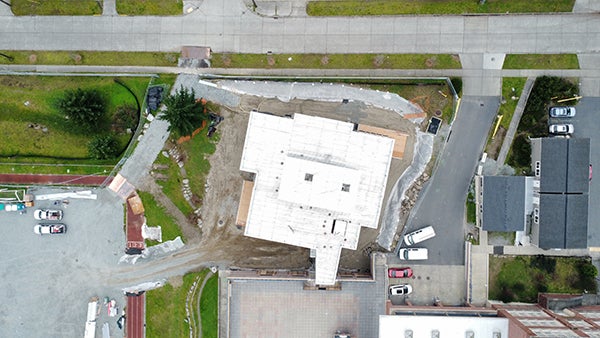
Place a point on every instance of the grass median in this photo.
(89, 58)
(337, 61)
(56, 7)
(400, 7)
(150, 7)
(541, 61)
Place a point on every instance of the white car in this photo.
(401, 289)
(561, 129)
(562, 111)
(52, 215)
(50, 229)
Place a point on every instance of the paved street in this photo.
(229, 26)
(442, 201)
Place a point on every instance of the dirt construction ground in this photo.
(223, 241)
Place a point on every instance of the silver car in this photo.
(562, 111)
(561, 129)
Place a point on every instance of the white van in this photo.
(419, 235)
(413, 254)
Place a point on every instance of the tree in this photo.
(103, 147)
(184, 112)
(85, 108)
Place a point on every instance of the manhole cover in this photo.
(438, 113)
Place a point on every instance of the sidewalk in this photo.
(514, 123)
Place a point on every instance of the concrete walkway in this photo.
(514, 123)
(109, 8)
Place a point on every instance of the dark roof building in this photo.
(504, 202)
(560, 218)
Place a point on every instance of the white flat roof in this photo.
(424, 326)
(317, 182)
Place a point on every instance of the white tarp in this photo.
(153, 233)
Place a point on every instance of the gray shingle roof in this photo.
(565, 165)
(563, 221)
(503, 203)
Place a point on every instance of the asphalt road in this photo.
(585, 124)
(442, 201)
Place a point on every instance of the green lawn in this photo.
(541, 61)
(209, 306)
(398, 7)
(89, 58)
(173, 184)
(196, 166)
(150, 7)
(33, 127)
(507, 109)
(56, 7)
(165, 308)
(521, 278)
(337, 61)
(156, 214)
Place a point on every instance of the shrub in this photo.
(521, 151)
(85, 108)
(457, 84)
(103, 147)
(547, 264)
(587, 269)
(125, 117)
(184, 112)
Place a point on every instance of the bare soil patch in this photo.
(493, 148)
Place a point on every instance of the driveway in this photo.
(47, 281)
(442, 201)
(586, 126)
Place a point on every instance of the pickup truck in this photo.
(51, 215)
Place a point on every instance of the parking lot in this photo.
(48, 280)
(585, 124)
(445, 282)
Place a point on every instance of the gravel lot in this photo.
(48, 280)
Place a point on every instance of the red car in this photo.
(400, 272)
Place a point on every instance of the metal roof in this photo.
(317, 183)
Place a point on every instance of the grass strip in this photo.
(89, 58)
(398, 7)
(337, 61)
(150, 7)
(56, 7)
(165, 308)
(209, 306)
(541, 61)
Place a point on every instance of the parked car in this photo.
(400, 272)
(562, 111)
(50, 229)
(402, 289)
(561, 129)
(420, 235)
(52, 215)
(413, 253)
